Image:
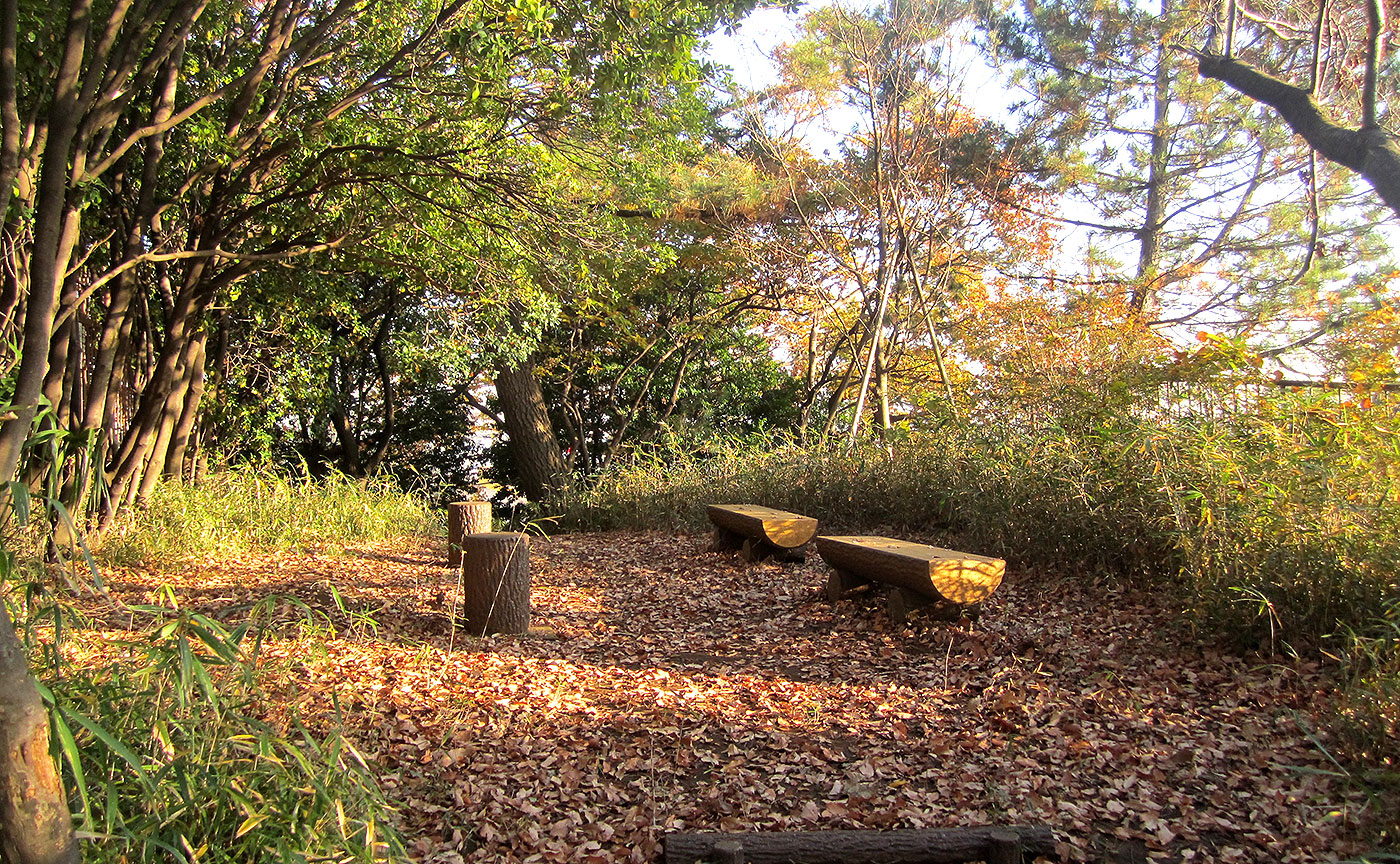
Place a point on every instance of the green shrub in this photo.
(176, 758)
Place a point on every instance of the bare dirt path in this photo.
(685, 690)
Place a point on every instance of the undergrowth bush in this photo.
(172, 749)
(245, 508)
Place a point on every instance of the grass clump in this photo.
(243, 508)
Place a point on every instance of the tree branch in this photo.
(1369, 151)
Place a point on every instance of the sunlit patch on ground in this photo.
(668, 688)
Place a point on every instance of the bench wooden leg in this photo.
(840, 584)
(898, 606)
(903, 603)
(724, 540)
(753, 551)
(791, 556)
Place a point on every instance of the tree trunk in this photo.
(35, 825)
(49, 257)
(496, 583)
(1149, 235)
(180, 441)
(463, 518)
(194, 296)
(170, 417)
(539, 463)
(882, 391)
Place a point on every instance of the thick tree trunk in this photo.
(539, 464)
(496, 583)
(35, 825)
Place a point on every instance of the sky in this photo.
(745, 50)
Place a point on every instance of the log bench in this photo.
(945, 582)
(758, 532)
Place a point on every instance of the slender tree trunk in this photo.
(341, 421)
(386, 390)
(141, 436)
(170, 415)
(60, 349)
(539, 463)
(1149, 235)
(180, 441)
(882, 389)
(35, 825)
(9, 102)
(49, 257)
(116, 324)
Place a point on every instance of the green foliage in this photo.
(247, 508)
(175, 759)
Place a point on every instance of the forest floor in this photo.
(669, 688)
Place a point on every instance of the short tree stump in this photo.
(496, 583)
(463, 518)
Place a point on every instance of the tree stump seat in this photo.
(758, 532)
(945, 582)
(465, 517)
(496, 583)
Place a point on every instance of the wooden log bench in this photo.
(758, 532)
(945, 582)
(902, 846)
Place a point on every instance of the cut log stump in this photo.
(927, 571)
(910, 846)
(758, 532)
(465, 517)
(496, 583)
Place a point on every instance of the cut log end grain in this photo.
(496, 583)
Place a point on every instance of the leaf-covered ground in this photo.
(670, 688)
